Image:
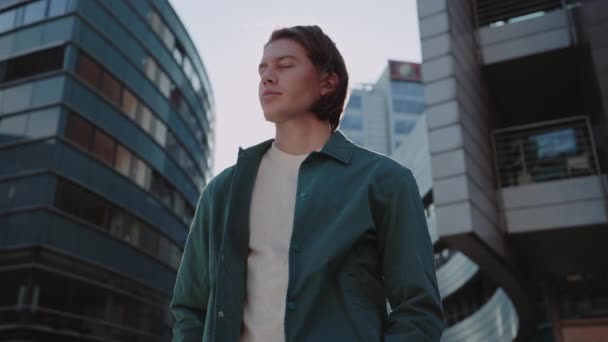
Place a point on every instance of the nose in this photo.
(269, 77)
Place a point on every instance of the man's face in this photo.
(289, 82)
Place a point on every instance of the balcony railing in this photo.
(545, 151)
(493, 11)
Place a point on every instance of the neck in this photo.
(302, 135)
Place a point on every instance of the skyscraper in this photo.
(378, 116)
(106, 133)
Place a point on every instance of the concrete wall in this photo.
(557, 204)
(544, 33)
(459, 122)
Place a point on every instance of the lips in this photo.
(270, 92)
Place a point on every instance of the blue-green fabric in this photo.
(359, 238)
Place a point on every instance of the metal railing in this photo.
(545, 151)
(492, 11)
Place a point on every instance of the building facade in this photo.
(106, 140)
(378, 116)
(516, 108)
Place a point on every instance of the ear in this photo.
(329, 83)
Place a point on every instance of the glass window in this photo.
(188, 68)
(149, 241)
(13, 127)
(34, 11)
(88, 70)
(129, 103)
(151, 69)
(57, 7)
(140, 172)
(7, 20)
(168, 37)
(43, 123)
(145, 119)
(103, 147)
(160, 133)
(33, 64)
(164, 84)
(16, 98)
(163, 250)
(196, 83)
(354, 102)
(118, 223)
(353, 122)
(123, 160)
(94, 209)
(79, 131)
(175, 256)
(553, 144)
(156, 184)
(134, 232)
(178, 53)
(111, 88)
(68, 197)
(155, 21)
(179, 205)
(176, 97)
(404, 127)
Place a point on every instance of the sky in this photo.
(230, 36)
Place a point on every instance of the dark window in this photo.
(94, 209)
(178, 52)
(111, 88)
(79, 131)
(33, 64)
(176, 97)
(34, 11)
(104, 147)
(88, 70)
(68, 197)
(150, 241)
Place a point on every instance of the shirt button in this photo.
(221, 314)
(303, 194)
(291, 305)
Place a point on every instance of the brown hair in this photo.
(323, 54)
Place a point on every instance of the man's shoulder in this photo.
(220, 182)
(382, 164)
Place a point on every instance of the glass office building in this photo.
(379, 116)
(106, 133)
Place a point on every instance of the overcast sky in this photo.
(230, 35)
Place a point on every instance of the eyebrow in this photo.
(278, 59)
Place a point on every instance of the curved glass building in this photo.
(106, 133)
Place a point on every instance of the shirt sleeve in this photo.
(408, 265)
(191, 291)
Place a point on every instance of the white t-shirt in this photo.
(270, 226)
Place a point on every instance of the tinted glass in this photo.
(103, 147)
(43, 123)
(79, 131)
(123, 160)
(34, 11)
(111, 88)
(129, 104)
(88, 70)
(7, 20)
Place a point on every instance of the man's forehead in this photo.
(283, 48)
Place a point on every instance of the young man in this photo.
(308, 235)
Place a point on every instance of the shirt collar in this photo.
(337, 147)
